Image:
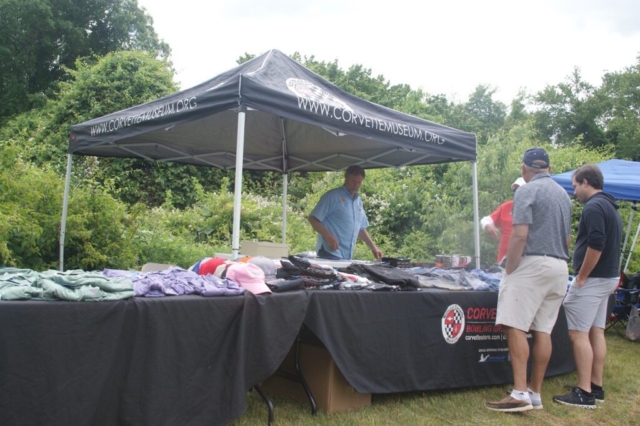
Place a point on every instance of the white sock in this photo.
(534, 396)
(521, 396)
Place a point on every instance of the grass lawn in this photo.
(466, 406)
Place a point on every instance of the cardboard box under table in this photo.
(331, 391)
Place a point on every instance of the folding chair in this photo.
(626, 298)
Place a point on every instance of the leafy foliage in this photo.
(124, 213)
(40, 38)
(569, 113)
(99, 86)
(481, 114)
(575, 112)
(29, 207)
(98, 227)
(620, 93)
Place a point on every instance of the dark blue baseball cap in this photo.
(536, 158)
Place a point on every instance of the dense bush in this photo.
(98, 226)
(29, 208)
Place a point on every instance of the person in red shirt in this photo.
(501, 219)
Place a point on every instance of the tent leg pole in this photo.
(285, 184)
(237, 193)
(633, 244)
(476, 215)
(626, 236)
(65, 205)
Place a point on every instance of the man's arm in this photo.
(364, 236)
(516, 245)
(320, 229)
(596, 239)
(591, 258)
(489, 227)
(492, 224)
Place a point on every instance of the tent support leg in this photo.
(626, 236)
(285, 184)
(285, 181)
(237, 194)
(65, 205)
(476, 215)
(633, 244)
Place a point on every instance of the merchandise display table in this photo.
(386, 342)
(191, 359)
(143, 361)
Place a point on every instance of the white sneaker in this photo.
(536, 403)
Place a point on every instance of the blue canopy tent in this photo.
(622, 181)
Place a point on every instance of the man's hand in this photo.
(591, 258)
(492, 231)
(376, 252)
(364, 236)
(515, 248)
(333, 243)
(320, 229)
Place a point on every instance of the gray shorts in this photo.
(530, 297)
(586, 306)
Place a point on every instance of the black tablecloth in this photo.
(394, 341)
(184, 360)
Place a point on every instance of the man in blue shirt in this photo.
(339, 219)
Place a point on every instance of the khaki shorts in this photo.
(586, 306)
(530, 297)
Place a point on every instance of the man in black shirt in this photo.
(596, 262)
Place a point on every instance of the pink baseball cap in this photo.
(249, 276)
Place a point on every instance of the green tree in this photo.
(620, 92)
(481, 114)
(518, 110)
(99, 228)
(97, 87)
(245, 58)
(570, 113)
(39, 38)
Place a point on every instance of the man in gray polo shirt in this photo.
(535, 279)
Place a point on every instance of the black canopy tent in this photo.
(270, 113)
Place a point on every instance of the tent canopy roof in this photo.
(295, 120)
(621, 179)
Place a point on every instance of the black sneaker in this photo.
(598, 394)
(577, 398)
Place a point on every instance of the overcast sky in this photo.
(445, 47)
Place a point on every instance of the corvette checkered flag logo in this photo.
(453, 324)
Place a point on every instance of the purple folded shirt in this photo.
(176, 282)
